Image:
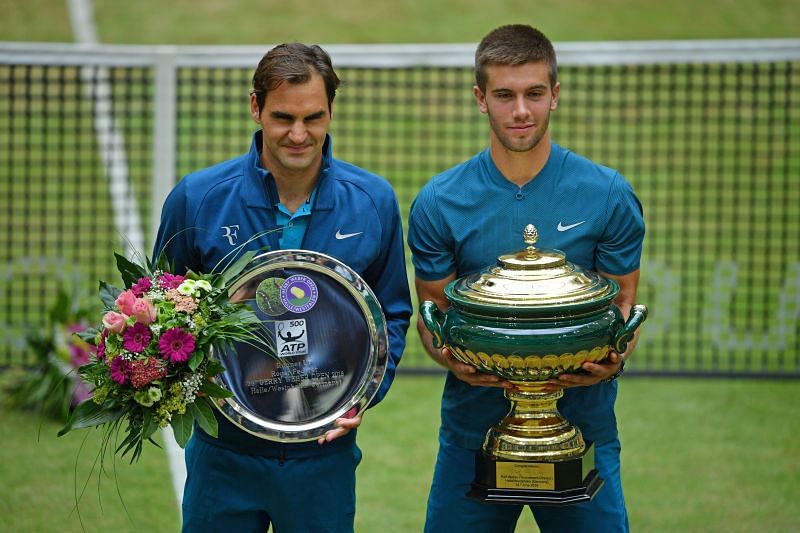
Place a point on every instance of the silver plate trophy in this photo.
(330, 347)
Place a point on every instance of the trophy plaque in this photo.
(328, 353)
(531, 317)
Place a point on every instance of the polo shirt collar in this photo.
(497, 177)
(259, 185)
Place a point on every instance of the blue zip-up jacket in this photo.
(212, 211)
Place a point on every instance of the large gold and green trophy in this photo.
(531, 317)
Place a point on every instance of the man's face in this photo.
(518, 101)
(295, 120)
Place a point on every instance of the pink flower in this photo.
(81, 392)
(114, 322)
(125, 302)
(136, 338)
(184, 304)
(176, 345)
(101, 346)
(78, 355)
(75, 328)
(141, 287)
(170, 281)
(144, 310)
(120, 370)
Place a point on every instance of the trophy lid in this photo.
(533, 279)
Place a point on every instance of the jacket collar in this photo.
(260, 189)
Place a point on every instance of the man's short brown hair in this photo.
(293, 63)
(514, 44)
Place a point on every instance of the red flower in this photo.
(146, 371)
(176, 345)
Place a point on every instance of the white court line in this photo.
(112, 152)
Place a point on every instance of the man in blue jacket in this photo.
(288, 181)
(464, 218)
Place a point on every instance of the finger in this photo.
(598, 370)
(487, 380)
(348, 423)
(575, 380)
(461, 368)
(333, 434)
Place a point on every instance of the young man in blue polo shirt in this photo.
(464, 218)
(288, 181)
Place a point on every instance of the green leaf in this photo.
(196, 359)
(87, 335)
(214, 367)
(204, 415)
(213, 390)
(236, 268)
(130, 271)
(149, 425)
(109, 294)
(88, 414)
(182, 427)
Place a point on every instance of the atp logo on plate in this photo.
(291, 337)
(298, 293)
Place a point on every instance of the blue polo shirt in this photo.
(294, 225)
(466, 217)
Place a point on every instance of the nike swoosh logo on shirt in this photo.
(562, 227)
(340, 235)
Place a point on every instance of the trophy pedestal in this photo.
(534, 483)
(534, 455)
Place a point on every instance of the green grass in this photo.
(364, 21)
(698, 455)
(43, 476)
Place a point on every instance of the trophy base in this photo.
(536, 483)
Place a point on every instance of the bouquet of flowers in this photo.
(153, 364)
(52, 385)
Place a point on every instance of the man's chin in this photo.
(298, 162)
(521, 146)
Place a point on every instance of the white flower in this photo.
(190, 387)
(187, 288)
(204, 285)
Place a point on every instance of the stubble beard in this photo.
(519, 145)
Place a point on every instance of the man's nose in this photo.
(520, 109)
(298, 133)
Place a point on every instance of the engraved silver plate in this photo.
(330, 342)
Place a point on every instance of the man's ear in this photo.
(255, 111)
(554, 100)
(480, 97)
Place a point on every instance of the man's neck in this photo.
(520, 167)
(294, 188)
(293, 194)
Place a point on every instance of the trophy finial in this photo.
(530, 236)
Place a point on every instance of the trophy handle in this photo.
(433, 319)
(625, 334)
